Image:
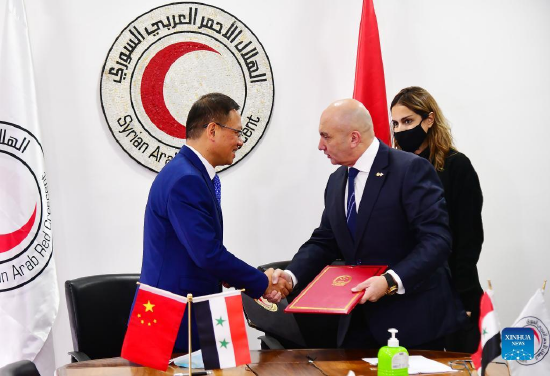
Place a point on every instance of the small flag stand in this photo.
(189, 301)
(490, 341)
(157, 315)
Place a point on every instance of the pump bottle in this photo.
(393, 360)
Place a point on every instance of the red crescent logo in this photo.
(152, 86)
(9, 241)
(536, 334)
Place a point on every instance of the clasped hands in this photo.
(279, 285)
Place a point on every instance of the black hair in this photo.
(213, 107)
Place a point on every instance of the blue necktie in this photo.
(351, 218)
(217, 188)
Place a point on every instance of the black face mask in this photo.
(411, 139)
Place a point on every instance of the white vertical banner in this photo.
(29, 296)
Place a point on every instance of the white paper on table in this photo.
(419, 364)
(183, 361)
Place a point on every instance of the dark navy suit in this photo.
(183, 249)
(403, 223)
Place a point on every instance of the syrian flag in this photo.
(535, 316)
(153, 327)
(370, 86)
(222, 330)
(489, 347)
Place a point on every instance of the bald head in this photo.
(349, 115)
(346, 131)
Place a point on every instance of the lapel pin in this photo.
(379, 174)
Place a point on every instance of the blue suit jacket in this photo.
(402, 222)
(183, 249)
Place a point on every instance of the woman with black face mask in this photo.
(419, 127)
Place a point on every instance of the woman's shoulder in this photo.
(458, 162)
(456, 157)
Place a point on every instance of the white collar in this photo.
(211, 170)
(365, 161)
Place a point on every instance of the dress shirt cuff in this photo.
(400, 287)
(294, 280)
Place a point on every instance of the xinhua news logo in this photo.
(518, 344)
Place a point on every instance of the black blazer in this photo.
(402, 222)
(464, 203)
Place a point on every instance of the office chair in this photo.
(20, 368)
(99, 308)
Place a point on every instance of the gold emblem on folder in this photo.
(341, 280)
(272, 307)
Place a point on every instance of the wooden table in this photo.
(276, 363)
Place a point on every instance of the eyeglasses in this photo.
(460, 365)
(237, 132)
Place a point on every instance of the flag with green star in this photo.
(489, 346)
(222, 330)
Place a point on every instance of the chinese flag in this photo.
(370, 86)
(153, 327)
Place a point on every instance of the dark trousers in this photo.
(360, 337)
(466, 339)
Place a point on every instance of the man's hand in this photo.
(375, 288)
(279, 276)
(278, 288)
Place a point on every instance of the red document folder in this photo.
(330, 292)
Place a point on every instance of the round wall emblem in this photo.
(25, 223)
(164, 60)
(541, 334)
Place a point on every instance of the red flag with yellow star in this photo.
(153, 327)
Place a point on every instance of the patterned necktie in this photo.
(351, 218)
(217, 188)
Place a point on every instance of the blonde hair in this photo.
(440, 139)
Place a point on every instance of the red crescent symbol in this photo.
(152, 86)
(8, 241)
(536, 334)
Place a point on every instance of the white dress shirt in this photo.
(363, 164)
(211, 170)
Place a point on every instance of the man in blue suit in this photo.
(382, 207)
(183, 249)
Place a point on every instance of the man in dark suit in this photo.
(382, 207)
(183, 249)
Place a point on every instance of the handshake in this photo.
(279, 285)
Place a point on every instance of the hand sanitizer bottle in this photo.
(393, 360)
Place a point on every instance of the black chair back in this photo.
(99, 308)
(21, 368)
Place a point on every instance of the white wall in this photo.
(486, 63)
